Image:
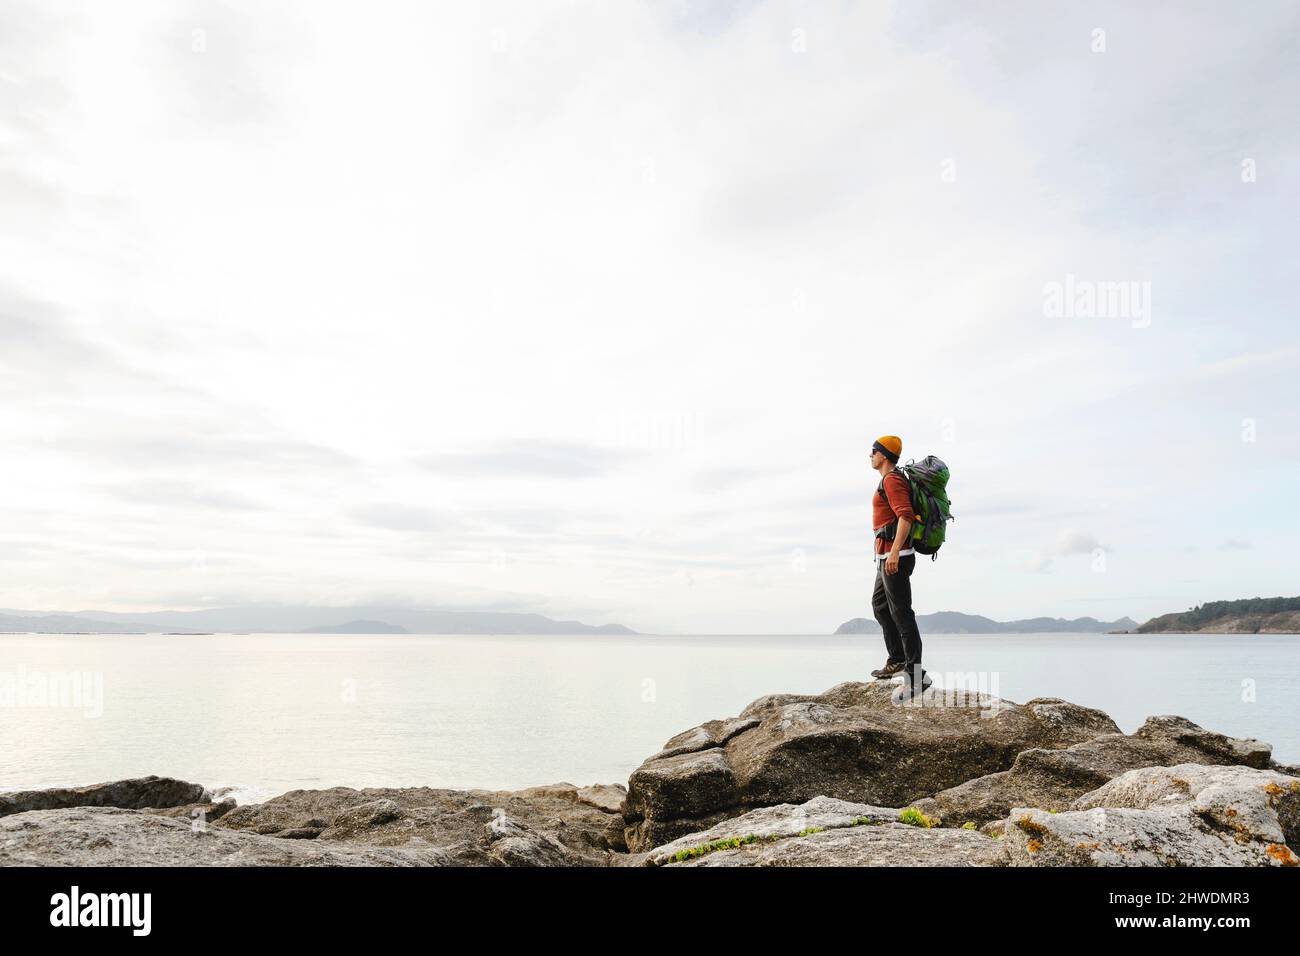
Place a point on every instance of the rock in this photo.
(892, 844)
(134, 794)
(782, 820)
(565, 790)
(827, 832)
(1050, 778)
(714, 733)
(107, 836)
(1185, 815)
(1248, 752)
(608, 797)
(357, 821)
(603, 796)
(851, 743)
(997, 828)
(517, 844)
(555, 823)
(299, 833)
(195, 811)
(1261, 804)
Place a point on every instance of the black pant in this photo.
(892, 603)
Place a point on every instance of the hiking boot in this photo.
(907, 690)
(889, 670)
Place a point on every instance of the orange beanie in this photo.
(891, 446)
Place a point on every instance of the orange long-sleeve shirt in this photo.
(898, 505)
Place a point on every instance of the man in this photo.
(891, 601)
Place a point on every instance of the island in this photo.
(955, 622)
(1276, 615)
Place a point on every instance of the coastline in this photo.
(931, 781)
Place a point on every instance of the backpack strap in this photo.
(880, 488)
(889, 531)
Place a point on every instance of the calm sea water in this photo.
(270, 713)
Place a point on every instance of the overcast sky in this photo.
(595, 311)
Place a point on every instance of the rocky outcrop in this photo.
(107, 836)
(1186, 815)
(1050, 778)
(557, 825)
(135, 794)
(891, 844)
(844, 778)
(772, 823)
(852, 743)
(824, 832)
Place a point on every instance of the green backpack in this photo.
(927, 480)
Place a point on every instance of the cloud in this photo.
(1038, 563)
(166, 492)
(349, 317)
(225, 63)
(397, 517)
(719, 479)
(221, 453)
(527, 457)
(38, 345)
(1071, 541)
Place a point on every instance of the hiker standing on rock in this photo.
(891, 600)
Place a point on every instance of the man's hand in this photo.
(904, 533)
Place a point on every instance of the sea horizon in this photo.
(267, 713)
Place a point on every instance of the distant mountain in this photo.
(32, 622)
(954, 622)
(276, 618)
(1279, 615)
(357, 627)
